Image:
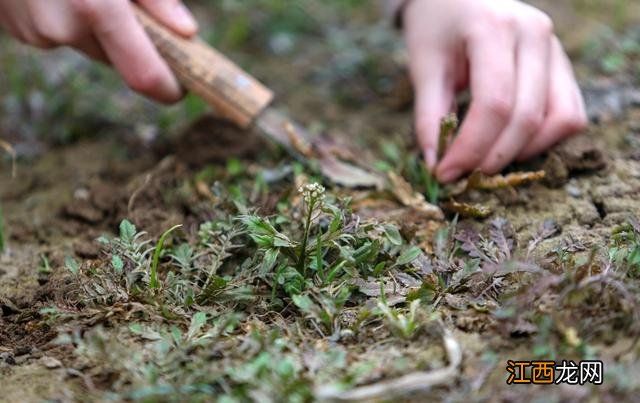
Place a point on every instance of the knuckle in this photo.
(501, 20)
(575, 123)
(32, 37)
(86, 8)
(54, 35)
(543, 23)
(473, 154)
(571, 123)
(498, 106)
(530, 121)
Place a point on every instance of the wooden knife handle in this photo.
(233, 93)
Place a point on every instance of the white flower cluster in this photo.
(312, 192)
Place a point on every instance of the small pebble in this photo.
(23, 350)
(573, 190)
(8, 358)
(81, 194)
(51, 363)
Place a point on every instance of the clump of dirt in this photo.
(152, 199)
(213, 140)
(24, 331)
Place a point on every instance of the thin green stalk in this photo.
(302, 267)
(153, 274)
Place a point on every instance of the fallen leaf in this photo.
(348, 175)
(405, 194)
(298, 142)
(467, 209)
(479, 181)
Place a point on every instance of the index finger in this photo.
(492, 69)
(130, 50)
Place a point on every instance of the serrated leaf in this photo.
(127, 231)
(117, 263)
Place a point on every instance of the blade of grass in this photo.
(153, 274)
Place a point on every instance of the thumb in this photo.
(173, 14)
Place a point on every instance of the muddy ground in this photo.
(66, 196)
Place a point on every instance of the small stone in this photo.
(573, 190)
(8, 358)
(81, 194)
(23, 350)
(50, 362)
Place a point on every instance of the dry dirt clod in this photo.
(213, 140)
(580, 154)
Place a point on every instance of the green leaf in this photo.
(216, 283)
(269, 260)
(127, 231)
(408, 256)
(378, 269)
(197, 321)
(71, 265)
(153, 274)
(176, 335)
(258, 225)
(393, 234)
(282, 241)
(304, 302)
(234, 167)
(135, 328)
(117, 263)
(336, 221)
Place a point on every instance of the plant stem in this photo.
(153, 274)
(448, 126)
(302, 267)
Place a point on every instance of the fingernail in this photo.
(430, 157)
(185, 19)
(450, 175)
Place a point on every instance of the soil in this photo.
(62, 201)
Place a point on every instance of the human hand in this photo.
(106, 31)
(524, 94)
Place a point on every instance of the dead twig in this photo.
(134, 195)
(409, 383)
(8, 148)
